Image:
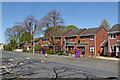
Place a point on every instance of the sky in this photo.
(80, 14)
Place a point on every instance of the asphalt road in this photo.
(26, 65)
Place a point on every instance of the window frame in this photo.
(67, 40)
(112, 46)
(91, 49)
(92, 38)
(112, 36)
(83, 38)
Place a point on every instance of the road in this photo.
(26, 65)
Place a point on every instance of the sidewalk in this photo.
(108, 58)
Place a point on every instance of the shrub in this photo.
(38, 48)
(50, 52)
(63, 52)
(24, 49)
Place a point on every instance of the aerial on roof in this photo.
(74, 32)
(115, 28)
(91, 31)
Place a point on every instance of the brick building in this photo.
(114, 40)
(91, 41)
(72, 39)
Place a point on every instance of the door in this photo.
(83, 50)
(106, 51)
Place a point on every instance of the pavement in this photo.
(26, 65)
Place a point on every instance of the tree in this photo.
(19, 30)
(30, 22)
(10, 34)
(14, 33)
(105, 24)
(71, 27)
(58, 30)
(52, 19)
(25, 36)
(10, 46)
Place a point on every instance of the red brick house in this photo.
(114, 40)
(59, 41)
(42, 41)
(91, 41)
(72, 39)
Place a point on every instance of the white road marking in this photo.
(42, 61)
(27, 58)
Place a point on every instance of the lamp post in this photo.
(33, 35)
(33, 39)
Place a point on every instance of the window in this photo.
(91, 49)
(59, 39)
(91, 38)
(112, 48)
(83, 49)
(67, 40)
(83, 38)
(112, 36)
(79, 41)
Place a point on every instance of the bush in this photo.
(38, 48)
(6, 47)
(63, 52)
(24, 49)
(50, 52)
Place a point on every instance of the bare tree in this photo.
(52, 19)
(10, 34)
(105, 24)
(58, 31)
(29, 22)
(14, 33)
(18, 32)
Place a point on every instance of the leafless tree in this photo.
(52, 19)
(14, 33)
(105, 24)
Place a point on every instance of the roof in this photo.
(115, 28)
(91, 31)
(62, 33)
(105, 42)
(74, 32)
(37, 39)
(40, 38)
(82, 44)
(72, 44)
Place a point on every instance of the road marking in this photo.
(42, 61)
(27, 58)
(11, 59)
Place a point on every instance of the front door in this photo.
(83, 50)
(106, 51)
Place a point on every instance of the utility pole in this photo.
(33, 35)
(33, 39)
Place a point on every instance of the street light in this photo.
(31, 35)
(33, 39)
